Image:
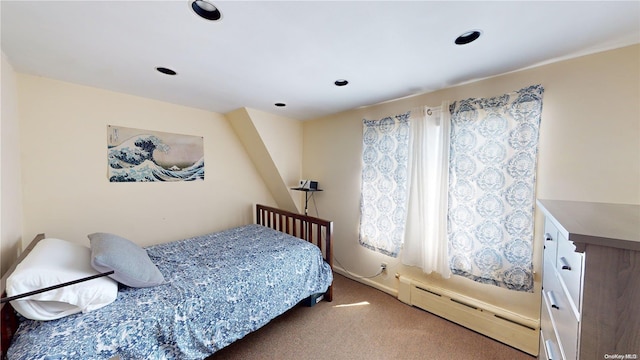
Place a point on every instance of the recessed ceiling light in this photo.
(341, 82)
(165, 70)
(468, 37)
(280, 104)
(206, 10)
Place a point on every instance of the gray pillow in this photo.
(131, 263)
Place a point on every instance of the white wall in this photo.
(10, 186)
(589, 150)
(64, 168)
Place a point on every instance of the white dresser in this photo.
(591, 281)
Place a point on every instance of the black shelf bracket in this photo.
(307, 195)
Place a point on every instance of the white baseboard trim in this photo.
(369, 282)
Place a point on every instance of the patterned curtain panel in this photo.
(383, 203)
(492, 172)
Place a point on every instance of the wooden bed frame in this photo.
(309, 228)
(315, 230)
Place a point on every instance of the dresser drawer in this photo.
(570, 267)
(564, 321)
(550, 277)
(549, 349)
(550, 240)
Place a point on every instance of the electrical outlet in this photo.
(383, 267)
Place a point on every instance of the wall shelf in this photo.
(307, 195)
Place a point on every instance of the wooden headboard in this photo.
(315, 230)
(8, 316)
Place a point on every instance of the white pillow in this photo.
(52, 262)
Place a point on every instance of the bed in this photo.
(218, 288)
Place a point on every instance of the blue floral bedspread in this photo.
(219, 287)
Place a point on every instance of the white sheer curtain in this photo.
(425, 244)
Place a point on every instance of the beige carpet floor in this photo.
(364, 323)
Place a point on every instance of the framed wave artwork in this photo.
(143, 156)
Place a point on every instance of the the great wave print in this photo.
(142, 156)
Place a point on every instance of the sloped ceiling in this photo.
(263, 157)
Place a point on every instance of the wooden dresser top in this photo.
(604, 224)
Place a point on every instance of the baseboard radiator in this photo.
(507, 327)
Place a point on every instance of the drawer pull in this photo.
(552, 300)
(565, 264)
(548, 347)
(548, 237)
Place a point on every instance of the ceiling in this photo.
(265, 52)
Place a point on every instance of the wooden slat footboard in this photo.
(317, 231)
